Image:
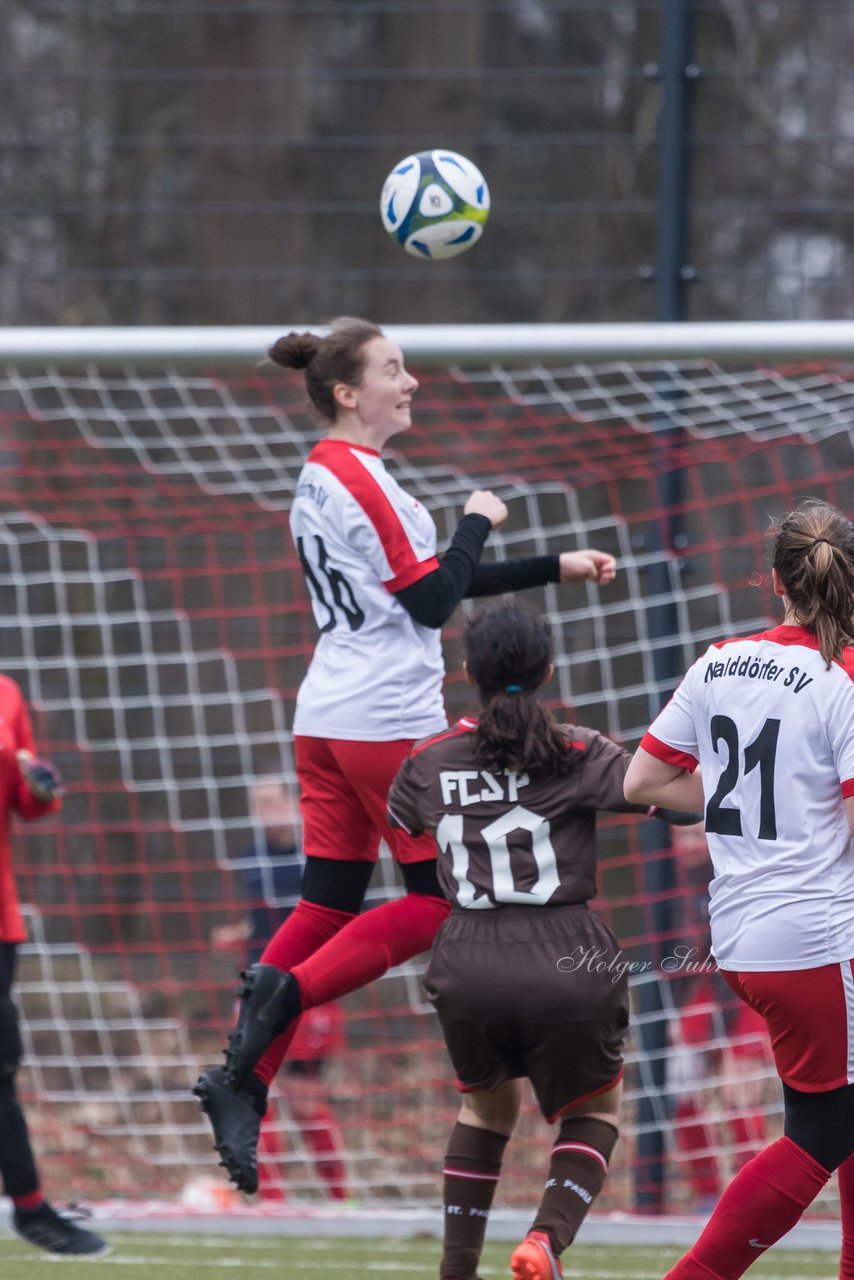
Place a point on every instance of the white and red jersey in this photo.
(773, 731)
(376, 674)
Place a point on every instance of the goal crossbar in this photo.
(241, 344)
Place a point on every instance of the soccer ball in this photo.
(435, 204)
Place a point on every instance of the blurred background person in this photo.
(721, 1055)
(272, 880)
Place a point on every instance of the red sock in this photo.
(320, 1135)
(845, 1174)
(306, 929)
(369, 946)
(764, 1200)
(32, 1200)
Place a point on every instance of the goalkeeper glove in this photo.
(41, 776)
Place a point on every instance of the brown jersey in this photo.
(506, 838)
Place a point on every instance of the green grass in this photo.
(142, 1256)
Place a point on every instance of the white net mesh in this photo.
(153, 612)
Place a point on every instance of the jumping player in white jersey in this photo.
(770, 720)
(380, 595)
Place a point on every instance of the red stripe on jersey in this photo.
(848, 789)
(337, 457)
(760, 635)
(787, 634)
(396, 821)
(784, 634)
(454, 732)
(659, 749)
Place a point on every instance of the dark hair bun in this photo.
(295, 350)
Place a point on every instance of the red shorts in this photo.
(810, 1018)
(343, 791)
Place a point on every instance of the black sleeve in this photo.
(513, 575)
(432, 599)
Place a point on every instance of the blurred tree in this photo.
(220, 161)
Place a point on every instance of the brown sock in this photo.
(577, 1173)
(471, 1169)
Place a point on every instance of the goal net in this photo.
(155, 616)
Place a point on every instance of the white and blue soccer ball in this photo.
(435, 204)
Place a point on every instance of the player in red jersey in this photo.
(380, 594)
(29, 789)
(770, 720)
(526, 980)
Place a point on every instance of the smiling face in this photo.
(380, 406)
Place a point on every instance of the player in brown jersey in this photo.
(525, 979)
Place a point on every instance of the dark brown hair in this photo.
(508, 654)
(337, 357)
(814, 558)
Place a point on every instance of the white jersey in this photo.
(376, 675)
(773, 731)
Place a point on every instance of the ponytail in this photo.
(515, 732)
(508, 654)
(814, 559)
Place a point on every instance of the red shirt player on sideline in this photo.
(29, 788)
(770, 720)
(380, 595)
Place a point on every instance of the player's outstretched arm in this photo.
(503, 576)
(588, 565)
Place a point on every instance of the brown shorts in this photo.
(531, 991)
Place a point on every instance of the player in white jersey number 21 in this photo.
(770, 720)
